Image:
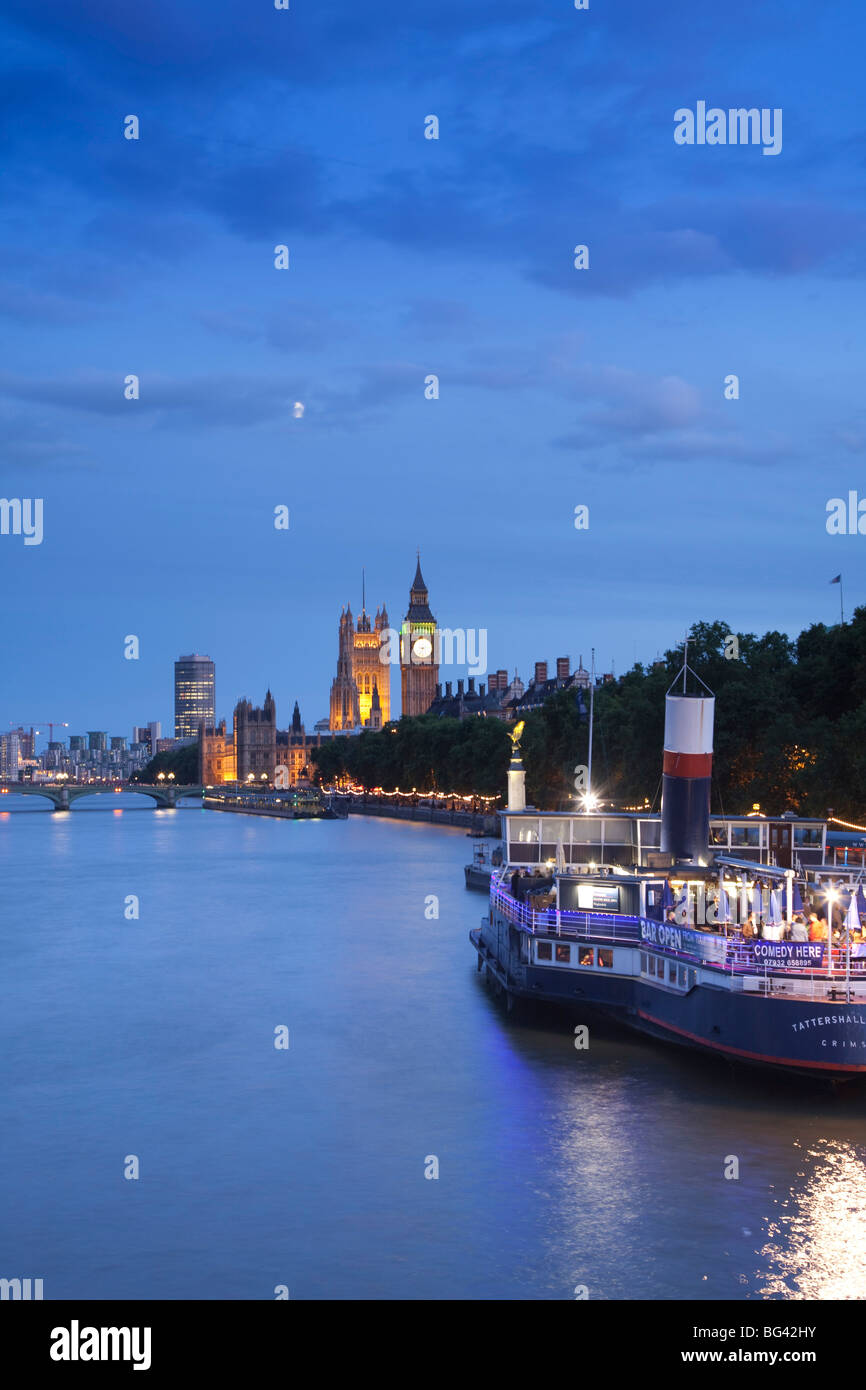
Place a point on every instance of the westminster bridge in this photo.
(62, 794)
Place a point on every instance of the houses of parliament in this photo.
(360, 696)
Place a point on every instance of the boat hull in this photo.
(823, 1039)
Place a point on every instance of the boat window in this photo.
(527, 832)
(543, 950)
(552, 831)
(672, 972)
(682, 976)
(643, 963)
(619, 831)
(660, 967)
(650, 834)
(563, 953)
(718, 834)
(586, 830)
(807, 835)
(586, 955)
(746, 835)
(605, 958)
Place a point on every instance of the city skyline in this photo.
(411, 257)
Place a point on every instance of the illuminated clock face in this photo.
(422, 649)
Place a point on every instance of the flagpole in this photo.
(841, 602)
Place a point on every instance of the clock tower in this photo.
(419, 656)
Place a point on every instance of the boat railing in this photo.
(730, 954)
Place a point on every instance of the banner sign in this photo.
(793, 952)
(696, 943)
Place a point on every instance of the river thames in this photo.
(558, 1170)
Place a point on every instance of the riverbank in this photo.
(483, 822)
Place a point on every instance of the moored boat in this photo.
(693, 942)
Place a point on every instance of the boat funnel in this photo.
(688, 765)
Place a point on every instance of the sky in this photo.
(411, 257)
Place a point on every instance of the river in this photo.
(150, 1040)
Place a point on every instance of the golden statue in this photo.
(515, 737)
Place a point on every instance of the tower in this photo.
(419, 663)
(360, 672)
(370, 674)
(255, 732)
(345, 713)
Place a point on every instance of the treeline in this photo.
(429, 753)
(183, 762)
(790, 731)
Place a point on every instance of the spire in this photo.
(363, 591)
(418, 585)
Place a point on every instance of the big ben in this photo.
(419, 657)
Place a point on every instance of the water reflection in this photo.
(817, 1239)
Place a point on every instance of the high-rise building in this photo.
(118, 743)
(97, 740)
(149, 734)
(10, 757)
(194, 695)
(419, 667)
(26, 741)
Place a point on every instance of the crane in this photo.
(60, 723)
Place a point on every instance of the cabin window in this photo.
(749, 835)
(807, 836)
(563, 954)
(718, 834)
(682, 976)
(660, 967)
(586, 830)
(554, 831)
(527, 833)
(605, 958)
(587, 955)
(672, 972)
(643, 963)
(543, 950)
(650, 833)
(619, 832)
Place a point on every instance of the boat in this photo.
(640, 918)
(484, 861)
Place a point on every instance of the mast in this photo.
(588, 803)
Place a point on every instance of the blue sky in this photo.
(409, 257)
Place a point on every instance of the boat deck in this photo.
(728, 956)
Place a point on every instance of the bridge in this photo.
(62, 794)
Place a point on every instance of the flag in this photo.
(837, 580)
(852, 920)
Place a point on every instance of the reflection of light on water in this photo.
(817, 1242)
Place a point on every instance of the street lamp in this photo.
(160, 777)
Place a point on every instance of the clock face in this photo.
(422, 649)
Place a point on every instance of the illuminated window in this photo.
(605, 958)
(587, 956)
(543, 950)
(563, 954)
